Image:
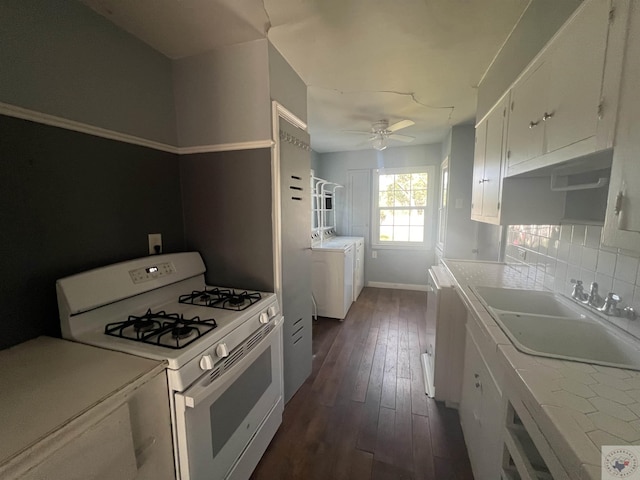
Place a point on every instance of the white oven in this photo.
(222, 347)
(218, 417)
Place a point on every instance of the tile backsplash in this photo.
(556, 254)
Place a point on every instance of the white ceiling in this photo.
(362, 60)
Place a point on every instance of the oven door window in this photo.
(225, 414)
(231, 409)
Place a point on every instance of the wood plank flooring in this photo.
(363, 414)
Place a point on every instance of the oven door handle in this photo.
(198, 392)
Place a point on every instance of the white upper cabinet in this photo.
(622, 221)
(576, 66)
(507, 201)
(477, 188)
(528, 106)
(487, 165)
(562, 120)
(556, 104)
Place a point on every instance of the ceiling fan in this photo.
(381, 132)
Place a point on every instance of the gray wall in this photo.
(227, 215)
(223, 96)
(538, 24)
(316, 164)
(392, 265)
(63, 59)
(286, 86)
(72, 202)
(460, 240)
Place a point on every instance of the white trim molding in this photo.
(399, 286)
(55, 121)
(288, 116)
(226, 147)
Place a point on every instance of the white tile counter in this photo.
(578, 407)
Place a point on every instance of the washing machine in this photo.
(332, 278)
(358, 263)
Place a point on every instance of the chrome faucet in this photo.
(594, 299)
(578, 291)
(610, 305)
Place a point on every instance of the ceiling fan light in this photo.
(380, 143)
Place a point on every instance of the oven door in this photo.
(218, 417)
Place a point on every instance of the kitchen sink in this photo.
(546, 324)
(526, 301)
(579, 339)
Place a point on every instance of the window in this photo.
(403, 207)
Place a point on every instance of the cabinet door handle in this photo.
(483, 180)
(618, 206)
(533, 124)
(547, 116)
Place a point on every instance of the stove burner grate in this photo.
(221, 298)
(161, 328)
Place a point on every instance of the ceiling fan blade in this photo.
(400, 125)
(401, 138)
(357, 132)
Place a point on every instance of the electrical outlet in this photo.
(155, 243)
(374, 254)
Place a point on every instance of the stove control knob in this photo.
(264, 317)
(222, 351)
(206, 363)
(271, 311)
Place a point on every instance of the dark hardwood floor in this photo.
(363, 413)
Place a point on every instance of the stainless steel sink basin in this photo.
(526, 301)
(580, 339)
(545, 324)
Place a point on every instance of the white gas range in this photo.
(223, 349)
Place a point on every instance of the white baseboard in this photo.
(398, 286)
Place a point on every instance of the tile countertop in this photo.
(578, 406)
(46, 383)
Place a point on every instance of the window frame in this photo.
(430, 220)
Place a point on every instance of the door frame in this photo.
(279, 111)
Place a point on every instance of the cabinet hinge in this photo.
(498, 205)
(612, 14)
(508, 153)
(600, 110)
(504, 112)
(512, 104)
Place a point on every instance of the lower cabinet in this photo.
(481, 414)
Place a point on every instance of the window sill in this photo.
(382, 246)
